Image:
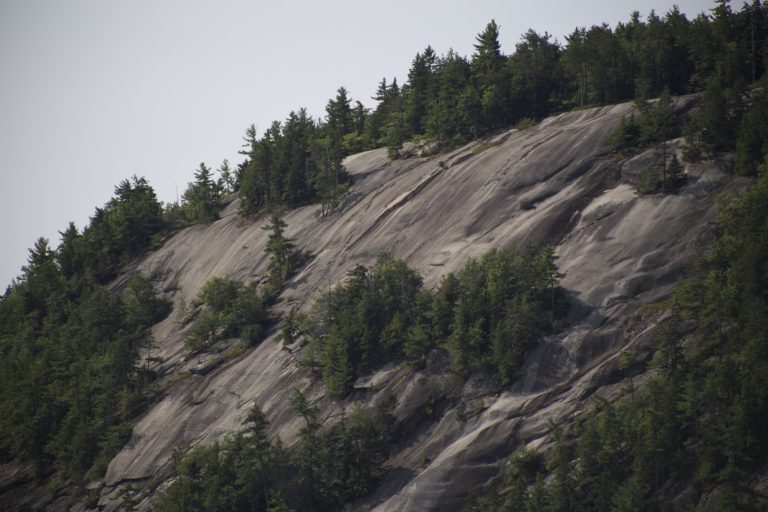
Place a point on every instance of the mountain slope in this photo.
(617, 252)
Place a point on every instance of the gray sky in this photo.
(94, 91)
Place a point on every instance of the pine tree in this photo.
(69, 254)
(39, 256)
(659, 122)
(487, 59)
(752, 141)
(227, 177)
(627, 135)
(420, 88)
(280, 249)
(536, 76)
(202, 198)
(673, 175)
(339, 115)
(575, 65)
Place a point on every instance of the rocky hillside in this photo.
(555, 183)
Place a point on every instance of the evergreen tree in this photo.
(227, 178)
(574, 59)
(627, 135)
(420, 89)
(339, 120)
(536, 76)
(280, 249)
(752, 141)
(487, 60)
(659, 122)
(69, 255)
(712, 128)
(446, 117)
(202, 199)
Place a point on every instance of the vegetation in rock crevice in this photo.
(231, 309)
(488, 316)
(327, 469)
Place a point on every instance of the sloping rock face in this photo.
(554, 183)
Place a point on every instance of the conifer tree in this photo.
(69, 255)
(280, 249)
(227, 177)
(420, 88)
(202, 198)
(487, 59)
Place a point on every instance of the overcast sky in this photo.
(94, 91)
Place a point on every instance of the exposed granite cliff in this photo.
(617, 252)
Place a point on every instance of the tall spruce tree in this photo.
(202, 198)
(280, 249)
(487, 59)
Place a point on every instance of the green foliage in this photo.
(126, 226)
(656, 124)
(202, 199)
(230, 309)
(713, 126)
(226, 182)
(248, 472)
(69, 372)
(489, 315)
(142, 305)
(70, 378)
(537, 78)
(506, 302)
(524, 467)
(281, 251)
(665, 175)
(626, 136)
(525, 123)
(752, 141)
(658, 121)
(299, 161)
(358, 326)
(452, 98)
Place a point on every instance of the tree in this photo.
(126, 226)
(447, 113)
(713, 126)
(280, 249)
(627, 135)
(673, 175)
(752, 140)
(227, 177)
(69, 254)
(536, 75)
(575, 65)
(142, 306)
(658, 122)
(202, 198)
(339, 120)
(487, 59)
(39, 256)
(420, 89)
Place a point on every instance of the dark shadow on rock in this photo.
(392, 482)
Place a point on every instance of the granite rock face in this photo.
(555, 183)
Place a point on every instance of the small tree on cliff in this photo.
(281, 250)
